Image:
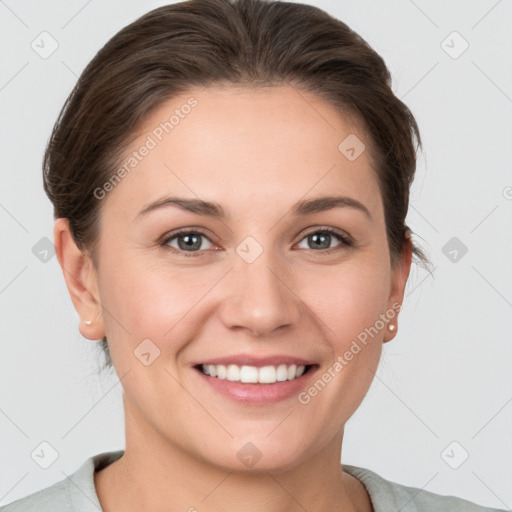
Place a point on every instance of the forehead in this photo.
(240, 146)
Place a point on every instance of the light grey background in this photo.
(444, 378)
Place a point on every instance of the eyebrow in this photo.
(215, 210)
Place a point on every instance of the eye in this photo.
(322, 238)
(187, 242)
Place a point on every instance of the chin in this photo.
(258, 454)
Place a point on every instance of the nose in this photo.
(259, 297)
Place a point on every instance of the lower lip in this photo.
(259, 394)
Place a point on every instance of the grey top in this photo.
(78, 494)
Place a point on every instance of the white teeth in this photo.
(249, 374)
(282, 373)
(221, 371)
(253, 374)
(233, 373)
(267, 374)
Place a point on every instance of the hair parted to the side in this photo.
(248, 43)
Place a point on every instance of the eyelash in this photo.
(344, 239)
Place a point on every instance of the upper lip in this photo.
(258, 361)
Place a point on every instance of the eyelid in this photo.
(335, 231)
(165, 239)
(180, 231)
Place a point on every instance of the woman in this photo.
(230, 183)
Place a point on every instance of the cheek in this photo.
(348, 300)
(349, 304)
(151, 301)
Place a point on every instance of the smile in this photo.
(260, 385)
(253, 374)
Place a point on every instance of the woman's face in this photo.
(262, 286)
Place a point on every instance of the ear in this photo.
(399, 275)
(81, 280)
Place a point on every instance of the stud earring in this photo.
(87, 322)
(391, 327)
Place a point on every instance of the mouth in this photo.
(246, 374)
(261, 385)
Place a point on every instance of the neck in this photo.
(156, 475)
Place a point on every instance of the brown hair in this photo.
(173, 48)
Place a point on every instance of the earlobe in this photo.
(391, 328)
(399, 278)
(81, 280)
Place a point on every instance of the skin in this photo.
(256, 152)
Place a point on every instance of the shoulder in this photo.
(387, 496)
(55, 498)
(75, 493)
